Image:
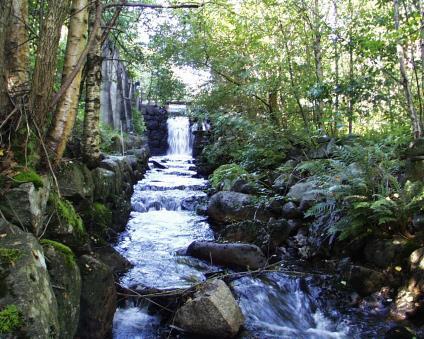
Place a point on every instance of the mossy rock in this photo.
(25, 286)
(75, 182)
(66, 279)
(25, 204)
(66, 225)
(10, 319)
(28, 175)
(98, 219)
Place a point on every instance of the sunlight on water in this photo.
(164, 222)
(179, 135)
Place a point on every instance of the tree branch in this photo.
(144, 5)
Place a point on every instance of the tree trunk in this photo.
(351, 70)
(416, 123)
(318, 58)
(336, 66)
(45, 62)
(273, 107)
(91, 134)
(17, 49)
(4, 19)
(64, 117)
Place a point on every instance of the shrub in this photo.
(225, 176)
(362, 191)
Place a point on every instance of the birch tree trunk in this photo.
(17, 49)
(91, 133)
(45, 62)
(64, 117)
(415, 120)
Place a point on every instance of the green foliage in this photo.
(108, 135)
(65, 250)
(102, 215)
(28, 175)
(255, 146)
(10, 319)
(9, 256)
(362, 192)
(138, 121)
(67, 213)
(225, 176)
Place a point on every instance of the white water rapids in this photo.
(163, 222)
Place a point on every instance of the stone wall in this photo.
(56, 264)
(156, 118)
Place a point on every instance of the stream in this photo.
(164, 222)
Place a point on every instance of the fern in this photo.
(361, 190)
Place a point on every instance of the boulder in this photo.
(267, 236)
(212, 312)
(303, 190)
(25, 206)
(65, 225)
(104, 184)
(364, 280)
(66, 281)
(230, 254)
(226, 207)
(157, 164)
(26, 292)
(112, 258)
(385, 252)
(75, 181)
(409, 301)
(113, 166)
(98, 299)
(290, 211)
(243, 186)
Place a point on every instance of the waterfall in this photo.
(179, 136)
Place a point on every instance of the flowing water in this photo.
(163, 223)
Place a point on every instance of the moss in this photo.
(67, 213)
(28, 175)
(8, 255)
(102, 215)
(10, 319)
(65, 250)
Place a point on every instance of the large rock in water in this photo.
(227, 207)
(233, 255)
(213, 312)
(66, 279)
(98, 299)
(25, 286)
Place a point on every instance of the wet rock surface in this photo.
(98, 299)
(212, 312)
(25, 283)
(246, 256)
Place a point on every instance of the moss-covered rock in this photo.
(104, 184)
(30, 307)
(98, 299)
(28, 175)
(10, 319)
(98, 221)
(75, 182)
(66, 279)
(65, 224)
(25, 205)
